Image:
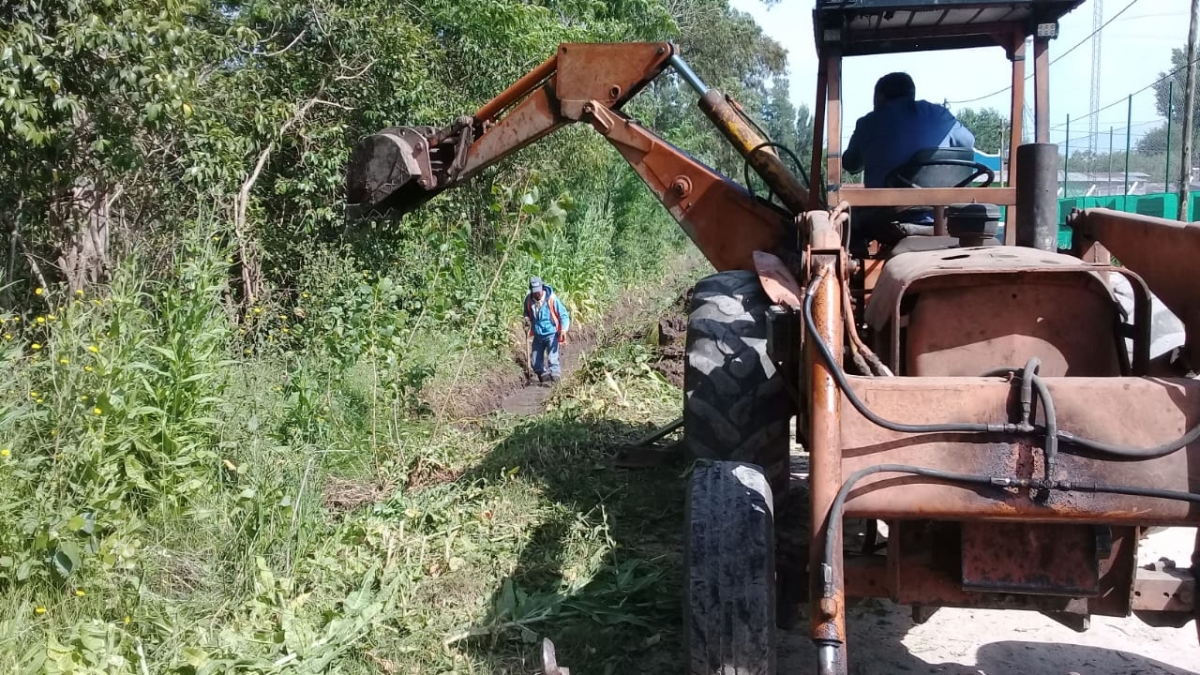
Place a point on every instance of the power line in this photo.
(1126, 97)
(1057, 58)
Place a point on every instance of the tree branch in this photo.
(242, 201)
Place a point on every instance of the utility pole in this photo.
(1189, 113)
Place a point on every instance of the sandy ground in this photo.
(883, 638)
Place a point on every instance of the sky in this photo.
(1135, 50)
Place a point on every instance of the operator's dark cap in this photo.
(535, 284)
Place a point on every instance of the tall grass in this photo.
(179, 477)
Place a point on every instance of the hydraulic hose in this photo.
(1031, 382)
(861, 353)
(840, 377)
(1108, 450)
(1127, 452)
(1051, 426)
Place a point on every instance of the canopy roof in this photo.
(859, 27)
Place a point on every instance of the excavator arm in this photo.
(400, 168)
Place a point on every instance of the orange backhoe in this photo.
(981, 407)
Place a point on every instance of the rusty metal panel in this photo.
(904, 270)
(1057, 559)
(1164, 252)
(1138, 412)
(1168, 590)
(533, 119)
(724, 221)
(610, 73)
(920, 570)
(863, 196)
(1014, 266)
(970, 330)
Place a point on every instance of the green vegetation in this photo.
(220, 448)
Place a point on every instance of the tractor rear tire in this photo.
(729, 603)
(736, 406)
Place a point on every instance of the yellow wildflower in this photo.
(5, 452)
(93, 349)
(40, 610)
(285, 329)
(258, 310)
(35, 346)
(65, 361)
(41, 319)
(283, 317)
(52, 317)
(8, 336)
(87, 369)
(79, 292)
(54, 432)
(127, 619)
(38, 291)
(79, 593)
(97, 411)
(304, 295)
(83, 398)
(33, 394)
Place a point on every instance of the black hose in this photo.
(771, 144)
(1109, 450)
(1051, 426)
(839, 504)
(1027, 374)
(1127, 452)
(840, 377)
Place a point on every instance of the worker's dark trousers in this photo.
(543, 346)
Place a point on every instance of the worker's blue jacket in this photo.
(887, 138)
(549, 317)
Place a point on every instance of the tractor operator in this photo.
(547, 320)
(886, 138)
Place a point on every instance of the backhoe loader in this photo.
(986, 402)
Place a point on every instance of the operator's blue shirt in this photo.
(885, 139)
(541, 318)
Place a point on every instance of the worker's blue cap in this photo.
(535, 284)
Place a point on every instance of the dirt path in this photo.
(884, 640)
(530, 398)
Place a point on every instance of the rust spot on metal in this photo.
(1056, 559)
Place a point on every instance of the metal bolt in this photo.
(681, 186)
(615, 92)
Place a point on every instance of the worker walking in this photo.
(547, 320)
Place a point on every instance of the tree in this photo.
(779, 115)
(804, 133)
(989, 126)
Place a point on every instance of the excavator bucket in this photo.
(398, 169)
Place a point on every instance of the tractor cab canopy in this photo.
(869, 27)
(861, 27)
